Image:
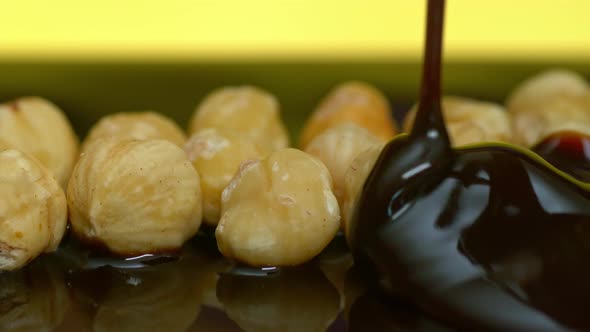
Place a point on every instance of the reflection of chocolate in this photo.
(32, 299)
(568, 151)
(300, 299)
(486, 237)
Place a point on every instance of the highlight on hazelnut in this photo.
(244, 110)
(278, 211)
(354, 179)
(355, 102)
(39, 128)
(337, 147)
(470, 121)
(549, 84)
(134, 197)
(136, 125)
(33, 210)
(300, 300)
(216, 155)
(552, 101)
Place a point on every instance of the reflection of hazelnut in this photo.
(337, 147)
(37, 127)
(354, 180)
(293, 300)
(33, 299)
(558, 114)
(134, 197)
(244, 110)
(550, 84)
(278, 211)
(470, 121)
(33, 210)
(216, 156)
(163, 297)
(136, 125)
(355, 102)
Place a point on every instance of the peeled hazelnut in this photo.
(33, 212)
(337, 147)
(134, 197)
(533, 125)
(354, 180)
(37, 127)
(552, 101)
(471, 121)
(354, 102)
(216, 156)
(136, 125)
(278, 211)
(244, 110)
(300, 300)
(550, 84)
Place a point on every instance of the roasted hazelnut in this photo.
(136, 125)
(134, 197)
(337, 147)
(216, 155)
(294, 300)
(278, 211)
(550, 84)
(552, 101)
(533, 125)
(354, 102)
(33, 211)
(354, 180)
(471, 121)
(37, 127)
(244, 110)
(34, 298)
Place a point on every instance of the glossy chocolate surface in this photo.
(482, 238)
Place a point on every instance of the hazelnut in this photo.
(471, 121)
(134, 197)
(355, 102)
(216, 156)
(278, 211)
(555, 83)
(33, 211)
(34, 298)
(244, 110)
(354, 180)
(549, 102)
(37, 127)
(337, 147)
(531, 126)
(136, 125)
(294, 300)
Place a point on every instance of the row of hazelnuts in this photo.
(137, 185)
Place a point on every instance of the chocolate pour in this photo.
(486, 238)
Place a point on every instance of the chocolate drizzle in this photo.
(484, 238)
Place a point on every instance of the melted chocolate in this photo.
(568, 151)
(483, 238)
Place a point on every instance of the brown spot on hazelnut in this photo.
(18, 234)
(13, 106)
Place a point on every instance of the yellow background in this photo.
(291, 29)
